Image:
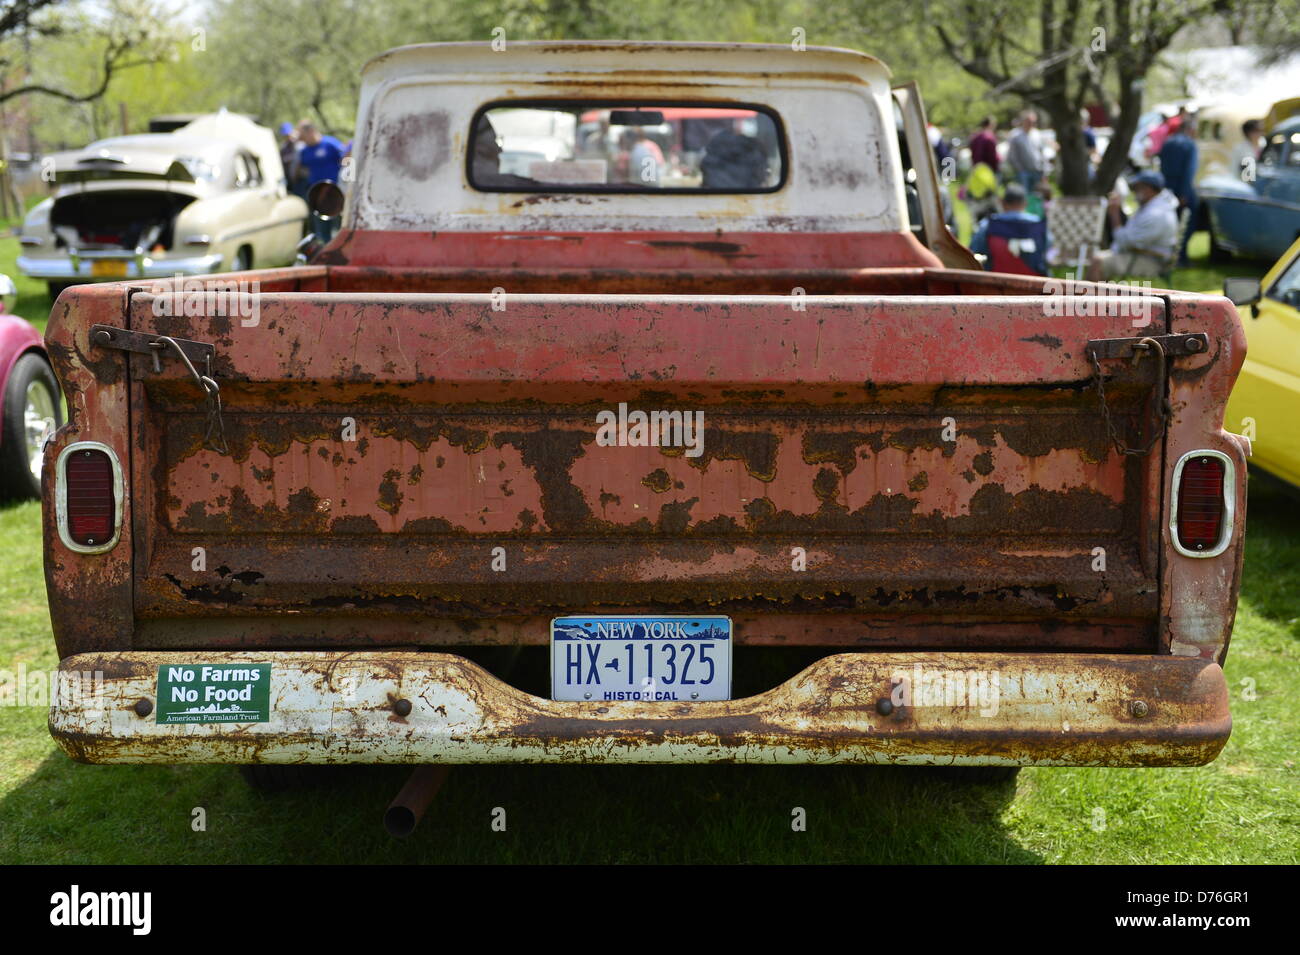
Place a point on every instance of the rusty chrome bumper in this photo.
(338, 707)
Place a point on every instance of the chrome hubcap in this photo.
(38, 423)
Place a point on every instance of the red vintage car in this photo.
(30, 408)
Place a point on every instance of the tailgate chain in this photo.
(1140, 348)
(211, 391)
(156, 347)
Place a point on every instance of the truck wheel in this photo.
(32, 412)
(276, 778)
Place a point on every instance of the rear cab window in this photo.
(626, 147)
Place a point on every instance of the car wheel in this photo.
(243, 260)
(56, 288)
(32, 412)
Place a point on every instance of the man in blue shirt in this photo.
(322, 158)
(1178, 160)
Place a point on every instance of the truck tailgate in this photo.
(424, 470)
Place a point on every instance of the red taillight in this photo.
(1200, 503)
(91, 497)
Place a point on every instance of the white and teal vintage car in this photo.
(209, 197)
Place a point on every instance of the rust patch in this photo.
(839, 447)
(755, 449)
(726, 249)
(417, 144)
(1048, 341)
(675, 516)
(657, 481)
(551, 454)
(390, 498)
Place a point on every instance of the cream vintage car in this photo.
(208, 197)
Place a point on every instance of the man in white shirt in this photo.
(1025, 152)
(1145, 245)
(1247, 151)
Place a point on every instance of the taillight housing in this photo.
(1201, 514)
(88, 488)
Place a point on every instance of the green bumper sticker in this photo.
(212, 693)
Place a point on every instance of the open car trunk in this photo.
(119, 219)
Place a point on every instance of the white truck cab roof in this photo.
(833, 109)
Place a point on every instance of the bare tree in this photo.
(128, 33)
(1062, 54)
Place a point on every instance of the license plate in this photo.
(666, 659)
(108, 268)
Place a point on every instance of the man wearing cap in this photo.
(1018, 225)
(1145, 245)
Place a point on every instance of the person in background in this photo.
(984, 145)
(1246, 152)
(293, 171)
(1089, 142)
(322, 158)
(485, 168)
(1014, 210)
(1178, 159)
(980, 193)
(1143, 246)
(1156, 138)
(646, 160)
(939, 144)
(981, 188)
(1025, 152)
(733, 161)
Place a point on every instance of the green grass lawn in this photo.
(1245, 807)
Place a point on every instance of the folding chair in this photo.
(1017, 246)
(1077, 224)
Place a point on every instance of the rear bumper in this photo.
(956, 708)
(69, 269)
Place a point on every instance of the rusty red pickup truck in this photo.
(643, 409)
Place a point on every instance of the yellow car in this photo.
(1265, 403)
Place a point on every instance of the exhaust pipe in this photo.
(407, 808)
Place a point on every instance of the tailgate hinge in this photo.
(191, 354)
(1163, 347)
